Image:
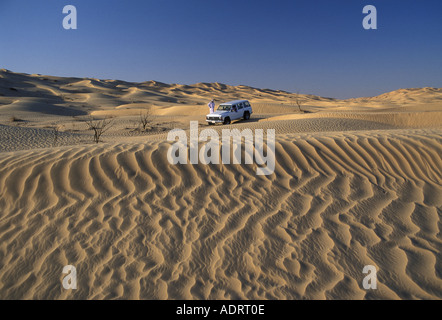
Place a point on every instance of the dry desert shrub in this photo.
(99, 126)
(145, 119)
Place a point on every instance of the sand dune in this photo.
(399, 120)
(138, 227)
(15, 138)
(42, 106)
(95, 94)
(357, 182)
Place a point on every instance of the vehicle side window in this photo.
(247, 104)
(240, 106)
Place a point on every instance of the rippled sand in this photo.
(356, 183)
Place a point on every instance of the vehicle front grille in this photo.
(212, 118)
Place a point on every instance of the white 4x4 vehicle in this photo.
(229, 111)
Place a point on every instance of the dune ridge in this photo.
(137, 227)
(77, 96)
(357, 182)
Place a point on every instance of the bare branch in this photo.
(145, 118)
(298, 101)
(99, 126)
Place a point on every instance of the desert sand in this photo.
(357, 182)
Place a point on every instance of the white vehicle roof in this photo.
(233, 102)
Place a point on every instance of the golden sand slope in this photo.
(31, 95)
(138, 227)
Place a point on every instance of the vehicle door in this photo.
(239, 110)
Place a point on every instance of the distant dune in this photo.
(95, 94)
(357, 182)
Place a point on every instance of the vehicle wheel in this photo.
(246, 115)
(227, 120)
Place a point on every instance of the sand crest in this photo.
(356, 183)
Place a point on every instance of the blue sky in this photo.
(311, 46)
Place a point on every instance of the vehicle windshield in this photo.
(224, 107)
